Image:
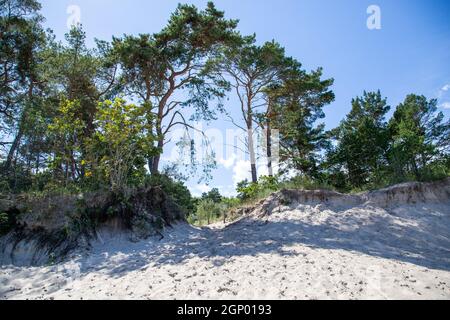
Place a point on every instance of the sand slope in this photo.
(315, 248)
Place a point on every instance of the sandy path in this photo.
(310, 252)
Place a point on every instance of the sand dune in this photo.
(315, 248)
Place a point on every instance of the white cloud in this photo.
(227, 191)
(199, 189)
(444, 91)
(241, 171)
(263, 170)
(445, 105)
(228, 163)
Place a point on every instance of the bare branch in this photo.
(234, 123)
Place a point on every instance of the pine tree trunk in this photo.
(269, 141)
(156, 159)
(251, 149)
(269, 150)
(12, 150)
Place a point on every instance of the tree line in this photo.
(90, 118)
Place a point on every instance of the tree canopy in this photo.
(82, 118)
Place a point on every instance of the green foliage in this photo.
(208, 212)
(260, 189)
(213, 195)
(21, 38)
(66, 130)
(7, 222)
(175, 189)
(212, 207)
(57, 109)
(250, 192)
(249, 69)
(246, 190)
(120, 145)
(362, 141)
(68, 125)
(3, 222)
(231, 202)
(371, 153)
(295, 107)
(156, 67)
(18, 178)
(419, 138)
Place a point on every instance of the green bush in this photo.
(5, 223)
(267, 185)
(264, 187)
(175, 189)
(16, 180)
(231, 202)
(213, 195)
(208, 212)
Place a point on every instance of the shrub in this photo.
(208, 211)
(176, 189)
(264, 187)
(213, 195)
(3, 218)
(6, 223)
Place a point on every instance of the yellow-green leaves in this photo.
(121, 142)
(67, 131)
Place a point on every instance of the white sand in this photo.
(299, 252)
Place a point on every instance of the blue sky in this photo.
(409, 54)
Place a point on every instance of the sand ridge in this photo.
(298, 251)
